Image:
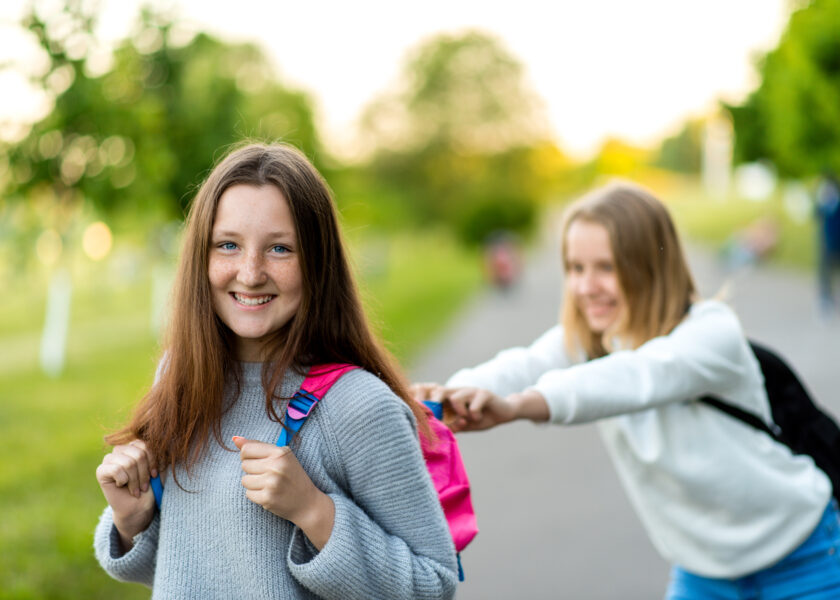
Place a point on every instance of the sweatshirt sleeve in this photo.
(390, 538)
(138, 564)
(705, 354)
(515, 369)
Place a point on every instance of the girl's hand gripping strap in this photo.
(318, 382)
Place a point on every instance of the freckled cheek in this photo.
(288, 278)
(219, 275)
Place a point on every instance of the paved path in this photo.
(554, 520)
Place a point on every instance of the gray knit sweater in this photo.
(390, 539)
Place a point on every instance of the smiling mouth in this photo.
(252, 300)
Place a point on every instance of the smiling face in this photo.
(591, 275)
(254, 269)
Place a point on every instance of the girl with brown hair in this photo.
(264, 292)
(736, 513)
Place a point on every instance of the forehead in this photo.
(587, 240)
(247, 208)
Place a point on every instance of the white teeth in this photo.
(252, 301)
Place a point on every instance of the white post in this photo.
(717, 157)
(56, 324)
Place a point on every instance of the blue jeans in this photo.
(810, 572)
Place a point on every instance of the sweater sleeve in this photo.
(705, 354)
(390, 538)
(136, 565)
(515, 369)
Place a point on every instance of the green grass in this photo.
(53, 431)
(53, 428)
(414, 284)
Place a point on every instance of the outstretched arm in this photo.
(476, 409)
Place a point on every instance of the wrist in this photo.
(130, 527)
(126, 536)
(530, 405)
(317, 519)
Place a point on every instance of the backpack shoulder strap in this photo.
(781, 385)
(742, 415)
(317, 383)
(315, 386)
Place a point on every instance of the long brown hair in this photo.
(652, 270)
(181, 410)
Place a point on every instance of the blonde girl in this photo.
(736, 513)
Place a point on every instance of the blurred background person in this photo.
(828, 239)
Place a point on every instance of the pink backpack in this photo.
(443, 459)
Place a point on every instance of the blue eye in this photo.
(280, 249)
(227, 246)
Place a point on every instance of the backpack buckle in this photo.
(301, 405)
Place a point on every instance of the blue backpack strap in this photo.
(436, 408)
(315, 386)
(297, 411)
(157, 490)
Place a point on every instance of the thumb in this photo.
(240, 441)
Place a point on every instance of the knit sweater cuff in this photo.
(138, 564)
(312, 568)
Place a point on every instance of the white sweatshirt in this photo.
(716, 496)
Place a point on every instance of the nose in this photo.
(587, 283)
(252, 270)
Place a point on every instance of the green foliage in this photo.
(793, 118)
(462, 92)
(682, 152)
(139, 138)
(480, 216)
(462, 139)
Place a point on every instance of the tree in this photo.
(462, 92)
(136, 140)
(793, 118)
(683, 151)
(459, 136)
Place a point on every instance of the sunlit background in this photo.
(437, 124)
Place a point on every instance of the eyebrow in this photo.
(271, 234)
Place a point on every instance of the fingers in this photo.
(273, 477)
(422, 392)
(469, 403)
(269, 464)
(419, 391)
(252, 449)
(127, 465)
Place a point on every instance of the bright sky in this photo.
(603, 68)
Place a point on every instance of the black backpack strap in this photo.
(742, 415)
(779, 381)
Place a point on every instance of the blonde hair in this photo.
(652, 270)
